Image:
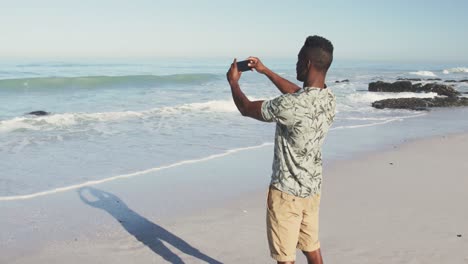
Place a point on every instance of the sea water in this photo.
(112, 118)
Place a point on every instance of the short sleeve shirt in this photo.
(302, 122)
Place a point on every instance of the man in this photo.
(303, 117)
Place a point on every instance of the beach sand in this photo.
(405, 204)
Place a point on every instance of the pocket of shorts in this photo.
(274, 199)
(287, 197)
(269, 200)
(279, 200)
(287, 206)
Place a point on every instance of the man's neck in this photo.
(315, 79)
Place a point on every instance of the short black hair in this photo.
(319, 51)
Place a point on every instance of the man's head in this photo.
(316, 54)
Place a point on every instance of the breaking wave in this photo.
(62, 120)
(424, 73)
(94, 82)
(456, 70)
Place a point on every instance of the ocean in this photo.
(112, 119)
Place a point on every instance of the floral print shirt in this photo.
(302, 122)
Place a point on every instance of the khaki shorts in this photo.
(292, 222)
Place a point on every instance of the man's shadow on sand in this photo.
(141, 228)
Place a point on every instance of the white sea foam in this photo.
(377, 118)
(382, 122)
(456, 70)
(128, 175)
(55, 121)
(212, 106)
(369, 97)
(16, 123)
(64, 120)
(424, 73)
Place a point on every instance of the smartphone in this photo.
(243, 66)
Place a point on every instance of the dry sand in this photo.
(407, 204)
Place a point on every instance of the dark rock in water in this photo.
(407, 86)
(342, 81)
(421, 103)
(434, 79)
(454, 81)
(38, 113)
(440, 89)
(410, 79)
(396, 87)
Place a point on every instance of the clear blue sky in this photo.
(368, 30)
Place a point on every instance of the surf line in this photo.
(379, 123)
(129, 175)
(138, 173)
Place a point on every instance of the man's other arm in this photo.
(283, 85)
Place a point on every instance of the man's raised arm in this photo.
(283, 85)
(243, 104)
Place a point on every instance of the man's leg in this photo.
(309, 233)
(283, 225)
(314, 257)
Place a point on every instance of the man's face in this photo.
(301, 66)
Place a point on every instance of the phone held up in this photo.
(243, 66)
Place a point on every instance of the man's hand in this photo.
(233, 75)
(256, 64)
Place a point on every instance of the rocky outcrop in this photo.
(421, 103)
(38, 113)
(407, 86)
(418, 79)
(342, 81)
(454, 81)
(396, 87)
(440, 89)
(410, 79)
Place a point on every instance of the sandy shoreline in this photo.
(402, 205)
